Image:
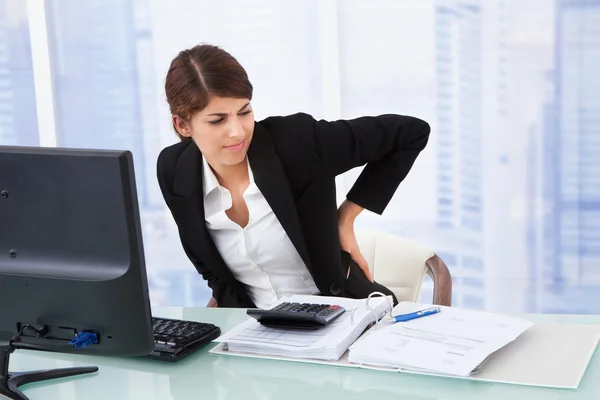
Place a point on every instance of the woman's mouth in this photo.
(236, 147)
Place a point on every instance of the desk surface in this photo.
(208, 376)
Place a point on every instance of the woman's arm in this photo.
(387, 144)
(212, 303)
(347, 214)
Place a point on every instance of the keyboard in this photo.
(176, 339)
(297, 315)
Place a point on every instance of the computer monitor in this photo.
(72, 269)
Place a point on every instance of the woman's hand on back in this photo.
(347, 214)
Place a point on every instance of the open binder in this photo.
(328, 343)
(454, 343)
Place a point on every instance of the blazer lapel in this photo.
(188, 185)
(270, 178)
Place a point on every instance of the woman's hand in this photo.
(212, 302)
(347, 214)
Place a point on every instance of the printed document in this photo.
(453, 341)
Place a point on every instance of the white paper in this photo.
(453, 341)
(327, 343)
(533, 359)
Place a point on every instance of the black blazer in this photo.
(295, 160)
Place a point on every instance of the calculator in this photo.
(297, 315)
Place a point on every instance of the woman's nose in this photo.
(236, 129)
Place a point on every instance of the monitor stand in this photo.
(10, 382)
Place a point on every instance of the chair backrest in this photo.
(401, 265)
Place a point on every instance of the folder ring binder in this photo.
(367, 305)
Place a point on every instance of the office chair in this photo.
(401, 265)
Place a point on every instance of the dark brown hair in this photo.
(200, 72)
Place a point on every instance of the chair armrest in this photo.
(442, 281)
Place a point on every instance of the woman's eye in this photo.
(218, 121)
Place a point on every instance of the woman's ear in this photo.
(182, 127)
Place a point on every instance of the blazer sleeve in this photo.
(165, 175)
(387, 144)
(225, 295)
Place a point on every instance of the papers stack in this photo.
(451, 342)
(454, 343)
(327, 343)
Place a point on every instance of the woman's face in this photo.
(222, 130)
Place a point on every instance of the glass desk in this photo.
(208, 376)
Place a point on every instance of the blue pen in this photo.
(416, 314)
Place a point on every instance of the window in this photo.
(448, 258)
(473, 302)
(104, 89)
(444, 201)
(472, 263)
(18, 113)
(472, 282)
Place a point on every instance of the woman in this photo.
(255, 202)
